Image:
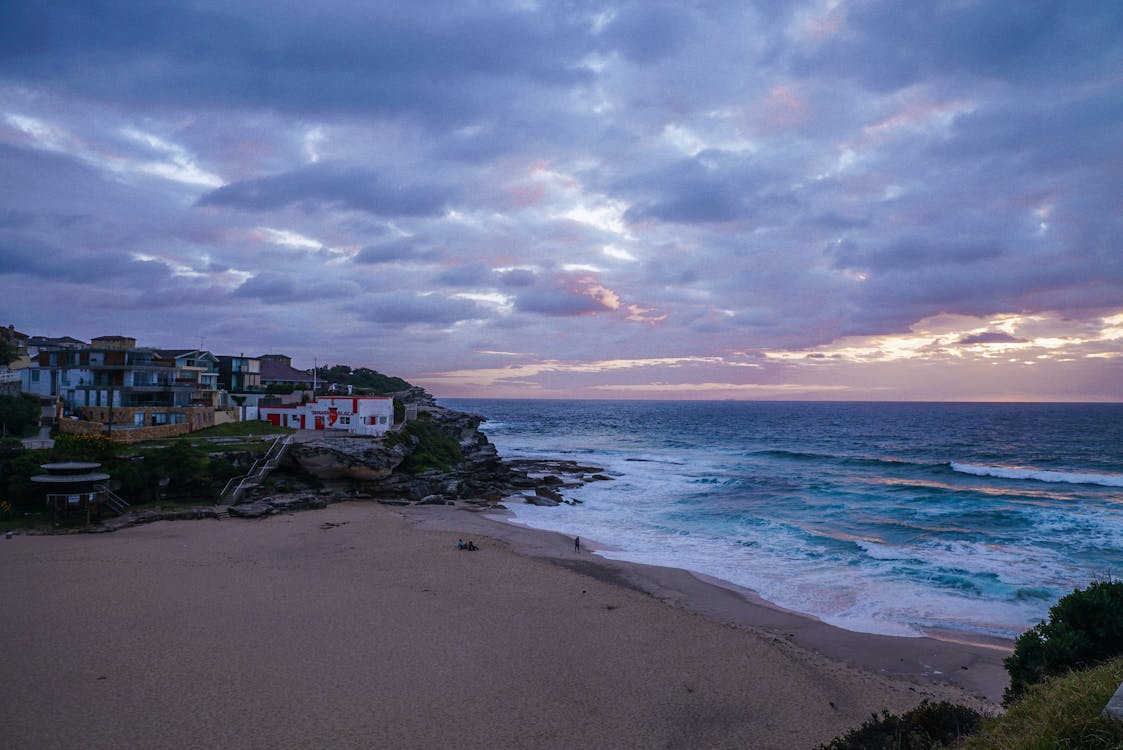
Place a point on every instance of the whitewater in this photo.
(959, 520)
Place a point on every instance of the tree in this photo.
(8, 351)
(362, 377)
(18, 414)
(1084, 628)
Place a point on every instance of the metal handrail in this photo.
(260, 468)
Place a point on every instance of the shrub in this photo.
(431, 447)
(15, 479)
(19, 415)
(1084, 628)
(83, 448)
(1064, 712)
(927, 727)
(10, 447)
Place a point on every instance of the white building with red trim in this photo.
(358, 415)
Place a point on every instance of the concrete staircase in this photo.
(113, 501)
(258, 472)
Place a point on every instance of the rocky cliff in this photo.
(380, 468)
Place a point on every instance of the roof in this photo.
(177, 353)
(54, 340)
(274, 370)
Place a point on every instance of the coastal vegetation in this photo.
(240, 429)
(432, 447)
(1063, 671)
(143, 473)
(19, 415)
(1064, 712)
(363, 379)
(1084, 628)
(926, 727)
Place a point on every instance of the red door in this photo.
(319, 422)
(275, 419)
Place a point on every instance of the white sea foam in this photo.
(1040, 475)
(886, 546)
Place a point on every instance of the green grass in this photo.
(433, 448)
(170, 505)
(1061, 714)
(240, 429)
(254, 444)
(20, 520)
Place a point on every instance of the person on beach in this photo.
(576, 544)
(459, 544)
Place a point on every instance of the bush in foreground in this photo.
(1084, 629)
(929, 726)
(1065, 712)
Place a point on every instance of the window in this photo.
(345, 420)
(138, 419)
(382, 420)
(34, 376)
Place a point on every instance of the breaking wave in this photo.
(1040, 475)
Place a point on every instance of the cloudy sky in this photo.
(825, 199)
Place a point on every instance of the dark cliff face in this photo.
(378, 468)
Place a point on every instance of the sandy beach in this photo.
(362, 626)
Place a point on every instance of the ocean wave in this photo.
(839, 458)
(1039, 475)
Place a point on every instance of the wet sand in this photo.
(362, 626)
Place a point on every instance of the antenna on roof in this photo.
(202, 338)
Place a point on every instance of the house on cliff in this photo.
(199, 365)
(278, 374)
(356, 415)
(116, 387)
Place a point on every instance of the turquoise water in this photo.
(895, 518)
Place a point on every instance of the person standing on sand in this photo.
(576, 544)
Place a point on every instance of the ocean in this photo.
(958, 520)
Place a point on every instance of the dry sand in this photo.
(362, 626)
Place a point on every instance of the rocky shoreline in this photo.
(364, 468)
(320, 469)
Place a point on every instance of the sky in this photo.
(827, 199)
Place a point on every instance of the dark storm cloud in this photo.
(915, 253)
(991, 337)
(890, 45)
(281, 288)
(713, 186)
(556, 303)
(46, 263)
(1056, 131)
(647, 32)
(407, 308)
(334, 185)
(386, 58)
(465, 275)
(404, 250)
(518, 277)
(733, 175)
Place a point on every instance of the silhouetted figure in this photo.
(472, 546)
(576, 544)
